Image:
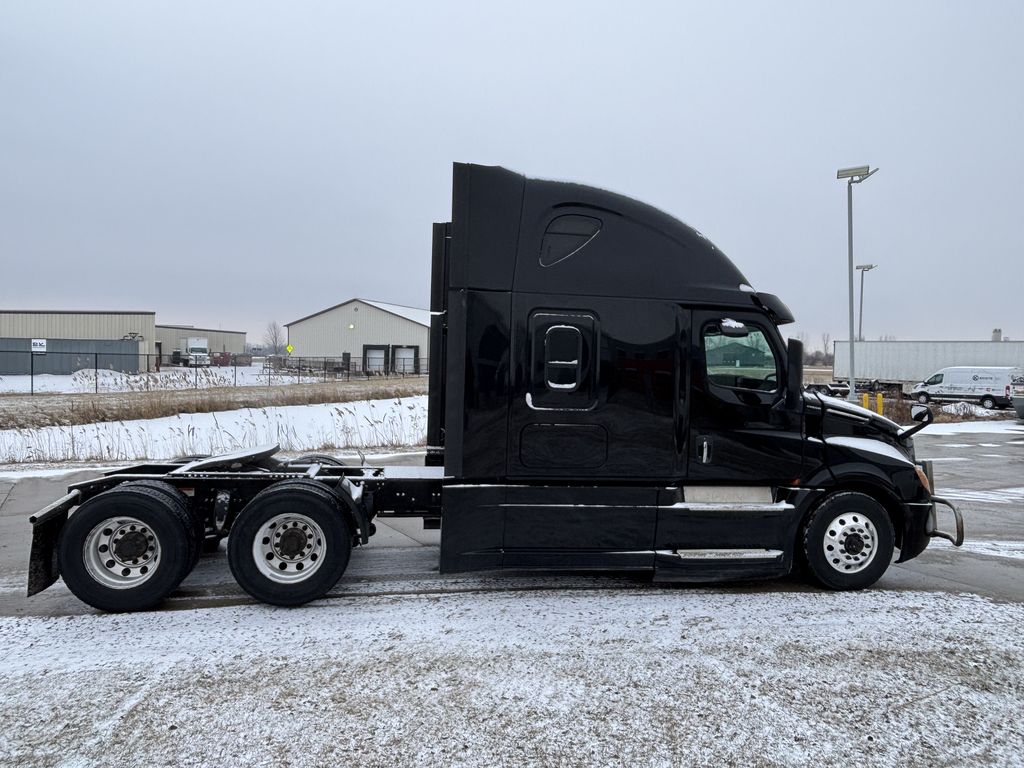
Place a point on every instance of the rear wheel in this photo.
(988, 402)
(290, 544)
(848, 541)
(125, 549)
(181, 507)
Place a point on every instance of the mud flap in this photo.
(46, 528)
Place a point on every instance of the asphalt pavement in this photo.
(982, 473)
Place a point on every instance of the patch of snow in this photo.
(364, 424)
(674, 676)
(1001, 427)
(969, 409)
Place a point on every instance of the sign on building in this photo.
(39, 346)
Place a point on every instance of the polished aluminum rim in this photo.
(850, 543)
(121, 552)
(289, 548)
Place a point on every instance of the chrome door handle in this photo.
(705, 450)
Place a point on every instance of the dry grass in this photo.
(23, 411)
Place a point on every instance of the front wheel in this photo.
(848, 541)
(923, 398)
(290, 544)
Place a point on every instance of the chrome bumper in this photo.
(956, 539)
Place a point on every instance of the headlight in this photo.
(923, 478)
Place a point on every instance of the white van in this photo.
(1017, 391)
(988, 386)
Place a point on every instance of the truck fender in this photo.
(350, 496)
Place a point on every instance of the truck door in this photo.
(740, 430)
(596, 397)
(597, 388)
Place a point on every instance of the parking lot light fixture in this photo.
(853, 176)
(860, 327)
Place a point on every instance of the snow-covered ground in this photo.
(364, 424)
(1005, 427)
(89, 380)
(655, 677)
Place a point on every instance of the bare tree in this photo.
(826, 338)
(273, 338)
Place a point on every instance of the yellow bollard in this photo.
(864, 400)
(878, 400)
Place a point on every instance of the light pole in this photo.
(853, 176)
(860, 327)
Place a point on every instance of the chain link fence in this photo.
(23, 372)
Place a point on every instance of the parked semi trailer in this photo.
(607, 392)
(899, 365)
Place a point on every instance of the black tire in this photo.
(182, 507)
(848, 541)
(309, 509)
(82, 539)
(318, 458)
(923, 398)
(988, 402)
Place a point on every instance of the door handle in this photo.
(704, 448)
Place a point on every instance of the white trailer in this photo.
(906, 363)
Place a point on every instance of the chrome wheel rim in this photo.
(289, 548)
(121, 552)
(850, 543)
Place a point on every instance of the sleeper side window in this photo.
(746, 362)
(563, 353)
(563, 372)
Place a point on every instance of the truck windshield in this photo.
(740, 363)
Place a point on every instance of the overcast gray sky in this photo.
(230, 163)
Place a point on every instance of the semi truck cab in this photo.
(617, 395)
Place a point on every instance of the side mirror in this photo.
(794, 373)
(733, 329)
(922, 414)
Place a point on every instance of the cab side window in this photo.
(747, 362)
(936, 379)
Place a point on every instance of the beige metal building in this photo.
(168, 338)
(61, 341)
(367, 335)
(59, 324)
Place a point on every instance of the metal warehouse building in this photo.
(168, 338)
(62, 342)
(372, 336)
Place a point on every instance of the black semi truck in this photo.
(607, 392)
